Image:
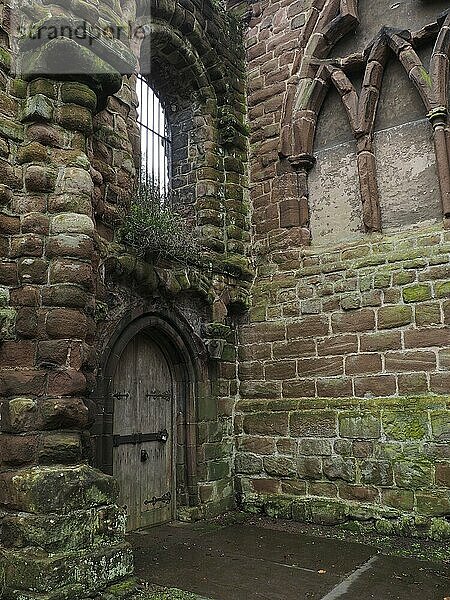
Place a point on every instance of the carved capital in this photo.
(302, 162)
(438, 116)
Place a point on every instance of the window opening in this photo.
(156, 143)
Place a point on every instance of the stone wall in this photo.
(68, 158)
(330, 340)
(343, 368)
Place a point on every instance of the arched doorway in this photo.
(148, 439)
(144, 435)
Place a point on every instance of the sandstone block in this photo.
(19, 415)
(359, 493)
(64, 323)
(67, 223)
(440, 425)
(359, 425)
(337, 467)
(400, 499)
(76, 181)
(309, 467)
(360, 320)
(22, 382)
(266, 424)
(57, 489)
(248, 464)
(76, 246)
(18, 450)
(60, 447)
(314, 447)
(377, 473)
(405, 425)
(443, 474)
(307, 423)
(66, 382)
(75, 118)
(417, 293)
(79, 94)
(433, 504)
(66, 271)
(33, 271)
(280, 466)
(390, 317)
(82, 572)
(40, 179)
(411, 474)
(64, 413)
(38, 108)
(64, 533)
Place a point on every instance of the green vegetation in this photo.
(152, 227)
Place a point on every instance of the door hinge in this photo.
(121, 395)
(165, 499)
(140, 438)
(156, 395)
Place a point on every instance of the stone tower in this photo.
(302, 356)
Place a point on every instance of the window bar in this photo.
(158, 129)
(156, 141)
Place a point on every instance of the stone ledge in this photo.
(324, 511)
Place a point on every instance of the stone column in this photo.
(62, 536)
(439, 121)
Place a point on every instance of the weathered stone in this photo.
(413, 474)
(266, 424)
(314, 447)
(38, 108)
(394, 316)
(337, 467)
(71, 223)
(417, 293)
(64, 533)
(320, 423)
(7, 323)
(279, 466)
(404, 426)
(83, 570)
(60, 447)
(248, 464)
(309, 467)
(64, 413)
(40, 179)
(401, 499)
(440, 425)
(18, 450)
(359, 425)
(79, 94)
(433, 504)
(75, 118)
(44, 490)
(63, 323)
(377, 473)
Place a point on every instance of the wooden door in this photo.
(143, 435)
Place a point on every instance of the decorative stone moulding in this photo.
(314, 73)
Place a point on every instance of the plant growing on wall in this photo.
(153, 227)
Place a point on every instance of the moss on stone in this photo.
(443, 289)
(403, 426)
(417, 293)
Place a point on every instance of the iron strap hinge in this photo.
(140, 438)
(156, 395)
(165, 499)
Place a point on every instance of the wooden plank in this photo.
(145, 374)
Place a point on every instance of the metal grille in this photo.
(156, 142)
